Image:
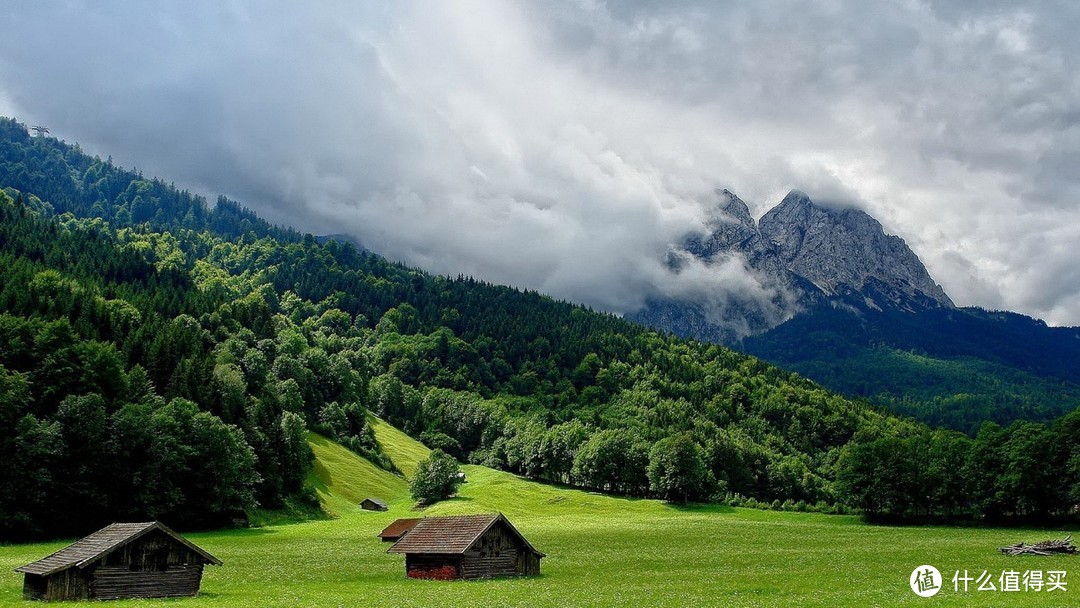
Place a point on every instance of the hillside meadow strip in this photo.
(602, 551)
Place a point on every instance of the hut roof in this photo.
(88, 550)
(451, 535)
(398, 528)
(377, 501)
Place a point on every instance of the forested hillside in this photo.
(161, 358)
(953, 367)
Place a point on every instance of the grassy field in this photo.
(602, 551)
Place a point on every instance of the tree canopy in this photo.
(437, 477)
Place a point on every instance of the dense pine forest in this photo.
(164, 358)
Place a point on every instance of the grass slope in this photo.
(602, 551)
(342, 479)
(404, 451)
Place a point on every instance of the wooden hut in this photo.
(119, 561)
(373, 504)
(398, 528)
(466, 546)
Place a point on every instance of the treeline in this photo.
(1026, 472)
(87, 186)
(202, 343)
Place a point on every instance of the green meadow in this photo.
(601, 551)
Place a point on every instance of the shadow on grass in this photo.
(1064, 524)
(242, 532)
(452, 499)
(699, 507)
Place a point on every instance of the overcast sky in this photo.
(562, 146)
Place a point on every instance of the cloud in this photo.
(563, 146)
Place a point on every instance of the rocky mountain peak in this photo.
(734, 208)
(730, 226)
(804, 253)
(838, 249)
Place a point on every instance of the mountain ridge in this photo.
(804, 254)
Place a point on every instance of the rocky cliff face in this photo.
(800, 254)
(846, 249)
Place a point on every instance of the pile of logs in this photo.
(1046, 547)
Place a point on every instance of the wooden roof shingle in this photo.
(398, 528)
(451, 535)
(90, 549)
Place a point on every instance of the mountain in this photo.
(804, 255)
(855, 309)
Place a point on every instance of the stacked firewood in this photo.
(1046, 547)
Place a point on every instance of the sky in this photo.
(564, 146)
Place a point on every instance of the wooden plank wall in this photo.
(67, 584)
(504, 564)
(114, 582)
(493, 554)
(529, 563)
(154, 551)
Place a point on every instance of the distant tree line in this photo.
(1026, 472)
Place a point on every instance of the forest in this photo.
(164, 358)
(949, 367)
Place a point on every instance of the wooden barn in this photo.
(119, 561)
(373, 504)
(398, 528)
(466, 546)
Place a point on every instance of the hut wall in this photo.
(493, 554)
(152, 566)
(113, 582)
(156, 551)
(528, 563)
(439, 567)
(67, 584)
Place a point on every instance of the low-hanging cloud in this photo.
(565, 146)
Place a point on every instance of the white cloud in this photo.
(563, 146)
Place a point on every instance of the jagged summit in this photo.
(734, 207)
(802, 254)
(838, 249)
(795, 197)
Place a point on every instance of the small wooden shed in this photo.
(399, 528)
(466, 546)
(373, 504)
(121, 560)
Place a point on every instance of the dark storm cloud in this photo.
(564, 145)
